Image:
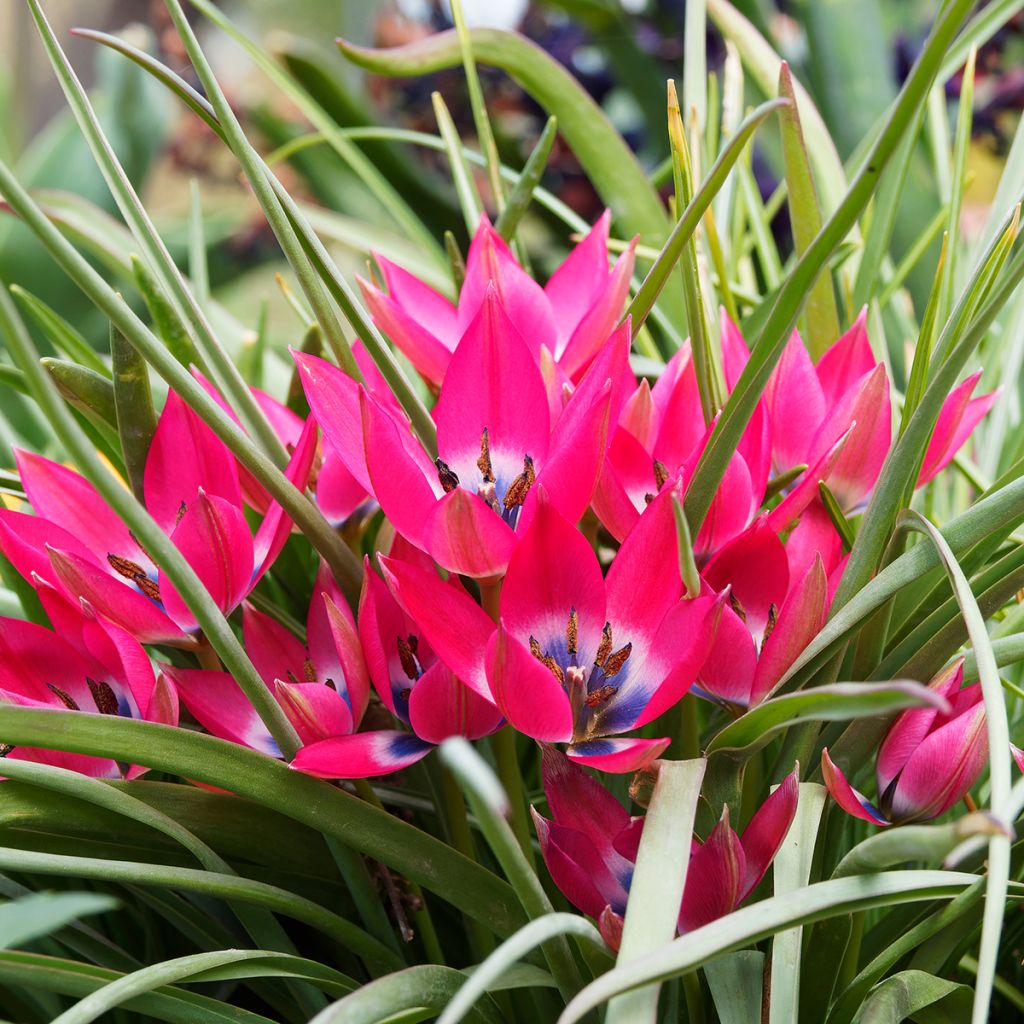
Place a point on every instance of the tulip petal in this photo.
(846, 796)
(440, 707)
(728, 671)
(316, 710)
(847, 361)
(959, 416)
(526, 691)
(796, 404)
(617, 755)
(24, 540)
(465, 536)
(766, 830)
(275, 652)
(338, 492)
(431, 308)
(335, 650)
(362, 755)
(577, 800)
(714, 879)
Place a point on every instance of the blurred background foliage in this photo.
(851, 56)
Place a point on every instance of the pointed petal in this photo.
(554, 570)
(430, 308)
(610, 925)
(714, 879)
(468, 537)
(784, 517)
(218, 704)
(959, 416)
(456, 627)
(800, 618)
(317, 711)
(276, 653)
(440, 707)
(766, 830)
(362, 755)
(579, 281)
(338, 492)
(847, 361)
(336, 652)
(529, 695)
(577, 800)
(627, 476)
(728, 671)
(185, 457)
(846, 796)
(215, 540)
(24, 540)
(617, 755)
(796, 404)
(683, 430)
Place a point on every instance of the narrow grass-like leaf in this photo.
(61, 334)
(168, 324)
(489, 803)
(465, 186)
(35, 916)
(908, 994)
(521, 194)
(772, 338)
(513, 949)
(687, 563)
(791, 871)
(999, 768)
(736, 981)
(838, 702)
(652, 913)
(88, 391)
(133, 400)
(805, 219)
(197, 267)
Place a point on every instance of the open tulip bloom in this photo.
(586, 521)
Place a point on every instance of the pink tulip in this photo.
(77, 543)
(564, 323)
(321, 685)
(928, 761)
(88, 665)
(591, 843)
(418, 689)
(575, 658)
(496, 444)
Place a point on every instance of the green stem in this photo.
(694, 998)
(689, 728)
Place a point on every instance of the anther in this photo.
(63, 696)
(599, 696)
(660, 473)
(572, 633)
(106, 702)
(5, 749)
(605, 647)
(773, 618)
(484, 462)
(136, 574)
(182, 509)
(614, 662)
(405, 694)
(734, 603)
(309, 670)
(447, 477)
(545, 659)
(407, 657)
(520, 487)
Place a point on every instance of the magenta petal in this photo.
(316, 710)
(941, 771)
(800, 618)
(552, 572)
(118, 601)
(493, 383)
(456, 627)
(186, 456)
(25, 539)
(580, 281)
(334, 400)
(338, 492)
(440, 707)
(335, 650)
(466, 536)
(218, 704)
(627, 476)
(576, 867)
(405, 327)
(69, 501)
(714, 879)
(215, 540)
(959, 416)
(362, 755)
(529, 695)
(846, 796)
(784, 517)
(275, 652)
(430, 308)
(617, 754)
(577, 800)
(847, 361)
(766, 830)
(796, 404)
(728, 671)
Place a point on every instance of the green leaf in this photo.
(325, 808)
(35, 916)
(656, 891)
(736, 981)
(133, 400)
(751, 924)
(805, 218)
(61, 334)
(914, 994)
(91, 393)
(838, 702)
(521, 194)
(465, 186)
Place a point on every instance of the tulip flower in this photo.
(591, 842)
(321, 685)
(769, 617)
(418, 689)
(660, 435)
(496, 444)
(847, 393)
(88, 665)
(575, 658)
(928, 761)
(564, 323)
(77, 543)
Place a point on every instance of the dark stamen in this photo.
(106, 702)
(5, 749)
(63, 696)
(553, 667)
(414, 643)
(605, 647)
(484, 462)
(309, 670)
(136, 574)
(773, 618)
(648, 498)
(572, 633)
(406, 693)
(601, 695)
(449, 480)
(734, 603)
(182, 509)
(520, 487)
(660, 474)
(407, 658)
(615, 661)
